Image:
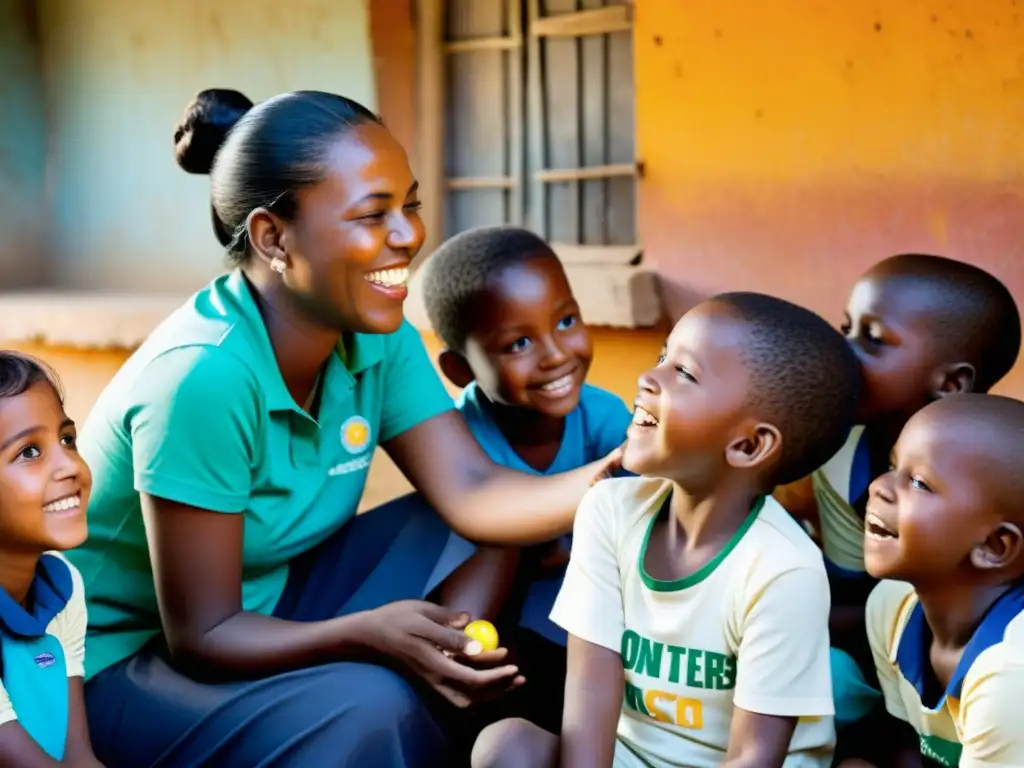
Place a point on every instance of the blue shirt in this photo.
(594, 428)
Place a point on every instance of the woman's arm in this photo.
(197, 568)
(481, 500)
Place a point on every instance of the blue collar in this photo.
(50, 592)
(860, 469)
(912, 656)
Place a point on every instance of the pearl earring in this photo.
(277, 264)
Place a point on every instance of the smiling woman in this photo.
(240, 613)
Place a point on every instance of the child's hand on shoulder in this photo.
(608, 466)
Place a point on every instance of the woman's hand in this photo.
(428, 640)
(608, 466)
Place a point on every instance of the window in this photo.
(530, 105)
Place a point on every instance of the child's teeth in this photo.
(62, 505)
(561, 383)
(389, 277)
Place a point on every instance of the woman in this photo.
(240, 615)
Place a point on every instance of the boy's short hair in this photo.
(804, 379)
(18, 373)
(458, 271)
(980, 318)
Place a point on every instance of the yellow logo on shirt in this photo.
(355, 434)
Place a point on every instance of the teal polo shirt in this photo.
(200, 415)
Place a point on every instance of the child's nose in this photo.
(882, 488)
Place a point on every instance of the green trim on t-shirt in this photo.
(695, 578)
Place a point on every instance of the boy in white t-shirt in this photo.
(697, 608)
(44, 491)
(948, 637)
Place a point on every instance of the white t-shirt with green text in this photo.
(749, 629)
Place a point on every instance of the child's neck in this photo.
(535, 437)
(17, 570)
(710, 515)
(956, 607)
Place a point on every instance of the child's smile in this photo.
(530, 349)
(44, 482)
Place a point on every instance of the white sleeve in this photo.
(589, 604)
(990, 715)
(783, 659)
(7, 713)
(880, 615)
(69, 626)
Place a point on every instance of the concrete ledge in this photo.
(83, 320)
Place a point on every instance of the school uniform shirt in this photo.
(749, 629)
(593, 429)
(40, 649)
(200, 415)
(977, 720)
(837, 484)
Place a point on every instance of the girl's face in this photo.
(44, 482)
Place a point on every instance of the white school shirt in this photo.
(749, 629)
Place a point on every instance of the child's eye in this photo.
(518, 345)
(919, 485)
(413, 207)
(70, 441)
(685, 374)
(661, 359)
(376, 217)
(567, 322)
(29, 452)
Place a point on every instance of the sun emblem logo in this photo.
(355, 434)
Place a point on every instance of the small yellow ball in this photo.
(484, 633)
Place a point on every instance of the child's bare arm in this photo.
(593, 701)
(19, 750)
(758, 741)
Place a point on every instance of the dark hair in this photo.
(18, 373)
(460, 269)
(978, 320)
(259, 156)
(804, 379)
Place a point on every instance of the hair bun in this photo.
(207, 120)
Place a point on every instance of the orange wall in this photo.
(789, 144)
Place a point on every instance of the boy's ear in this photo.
(1000, 548)
(755, 447)
(455, 368)
(953, 379)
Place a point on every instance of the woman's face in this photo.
(355, 234)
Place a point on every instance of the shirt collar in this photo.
(356, 352)
(912, 654)
(50, 592)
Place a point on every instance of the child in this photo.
(948, 637)
(922, 327)
(44, 491)
(515, 343)
(697, 594)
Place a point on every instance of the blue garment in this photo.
(34, 672)
(593, 429)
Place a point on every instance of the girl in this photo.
(44, 491)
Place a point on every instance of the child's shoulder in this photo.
(77, 585)
(778, 542)
(628, 498)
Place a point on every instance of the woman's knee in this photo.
(389, 717)
(515, 743)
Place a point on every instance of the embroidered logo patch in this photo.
(44, 660)
(355, 434)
